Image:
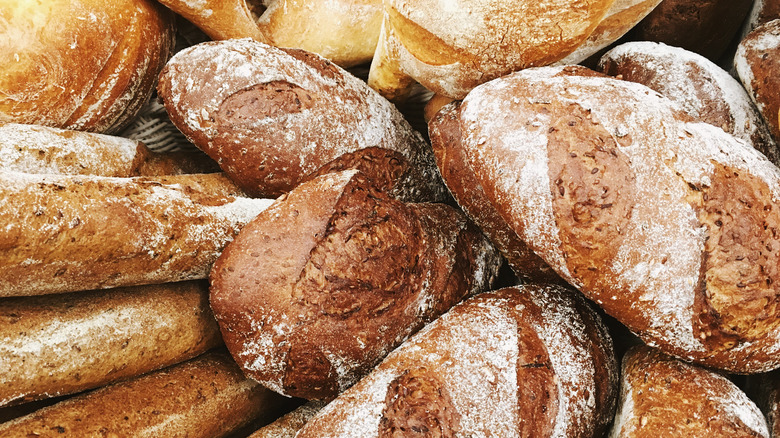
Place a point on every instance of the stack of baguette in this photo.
(584, 242)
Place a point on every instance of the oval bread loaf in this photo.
(273, 118)
(526, 361)
(337, 256)
(670, 226)
(67, 343)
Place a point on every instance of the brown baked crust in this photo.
(273, 118)
(704, 91)
(514, 362)
(204, 397)
(68, 233)
(662, 396)
(757, 66)
(289, 424)
(594, 161)
(453, 166)
(336, 255)
(67, 343)
(80, 65)
(702, 26)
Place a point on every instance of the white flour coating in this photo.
(764, 39)
(696, 84)
(40, 149)
(289, 424)
(736, 403)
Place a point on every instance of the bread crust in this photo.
(273, 118)
(593, 161)
(69, 233)
(68, 343)
(514, 362)
(80, 65)
(289, 424)
(338, 256)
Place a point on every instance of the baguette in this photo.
(68, 343)
(667, 224)
(68, 233)
(335, 256)
(41, 149)
(526, 361)
(273, 118)
(205, 397)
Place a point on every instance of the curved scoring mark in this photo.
(259, 101)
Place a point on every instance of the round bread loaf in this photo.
(526, 361)
(757, 62)
(705, 91)
(671, 226)
(79, 64)
(273, 118)
(317, 289)
(661, 396)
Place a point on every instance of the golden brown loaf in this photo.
(206, 397)
(67, 233)
(78, 64)
(518, 362)
(67, 343)
(336, 256)
(273, 118)
(670, 226)
(219, 19)
(664, 397)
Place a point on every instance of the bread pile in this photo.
(584, 242)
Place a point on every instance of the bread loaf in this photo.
(668, 225)
(661, 396)
(450, 50)
(67, 233)
(526, 361)
(335, 256)
(41, 149)
(206, 397)
(273, 118)
(219, 19)
(763, 11)
(78, 64)
(289, 424)
(705, 91)
(67, 343)
(757, 65)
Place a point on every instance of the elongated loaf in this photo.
(321, 286)
(67, 343)
(273, 118)
(662, 396)
(526, 361)
(41, 149)
(67, 233)
(670, 226)
(206, 397)
(219, 19)
(78, 64)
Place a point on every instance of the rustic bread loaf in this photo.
(757, 65)
(526, 361)
(219, 19)
(66, 233)
(273, 118)
(78, 64)
(67, 343)
(763, 11)
(705, 91)
(669, 225)
(41, 149)
(338, 256)
(289, 424)
(450, 50)
(205, 397)
(662, 396)
(702, 26)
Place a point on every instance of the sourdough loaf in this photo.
(662, 396)
(68, 343)
(78, 64)
(526, 361)
(667, 224)
(67, 233)
(337, 256)
(705, 91)
(273, 118)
